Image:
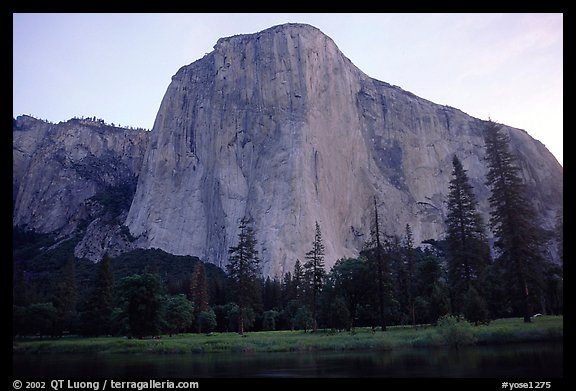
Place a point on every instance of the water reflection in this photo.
(518, 360)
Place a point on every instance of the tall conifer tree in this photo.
(96, 319)
(409, 263)
(315, 273)
(244, 269)
(199, 292)
(382, 272)
(467, 247)
(298, 281)
(514, 222)
(66, 296)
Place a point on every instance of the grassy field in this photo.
(497, 332)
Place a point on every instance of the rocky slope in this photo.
(76, 177)
(280, 126)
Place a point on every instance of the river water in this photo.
(527, 360)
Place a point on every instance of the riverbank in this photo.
(545, 328)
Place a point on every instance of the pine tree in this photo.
(106, 283)
(400, 298)
(467, 247)
(379, 271)
(97, 318)
(65, 299)
(271, 294)
(199, 292)
(381, 267)
(409, 261)
(293, 293)
(243, 269)
(513, 219)
(287, 289)
(315, 273)
(298, 280)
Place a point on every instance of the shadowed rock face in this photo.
(282, 127)
(59, 168)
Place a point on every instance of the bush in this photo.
(339, 316)
(178, 314)
(454, 331)
(140, 296)
(303, 319)
(207, 320)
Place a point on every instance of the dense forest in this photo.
(148, 292)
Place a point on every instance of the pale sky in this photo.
(117, 67)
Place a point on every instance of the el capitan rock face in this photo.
(280, 126)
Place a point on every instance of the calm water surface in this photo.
(514, 360)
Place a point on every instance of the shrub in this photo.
(207, 320)
(454, 331)
(303, 319)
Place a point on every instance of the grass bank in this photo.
(497, 332)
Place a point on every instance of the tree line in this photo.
(391, 283)
(89, 120)
(100, 121)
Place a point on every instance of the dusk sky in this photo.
(117, 67)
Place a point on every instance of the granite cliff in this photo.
(279, 126)
(76, 178)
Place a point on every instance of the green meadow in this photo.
(449, 334)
